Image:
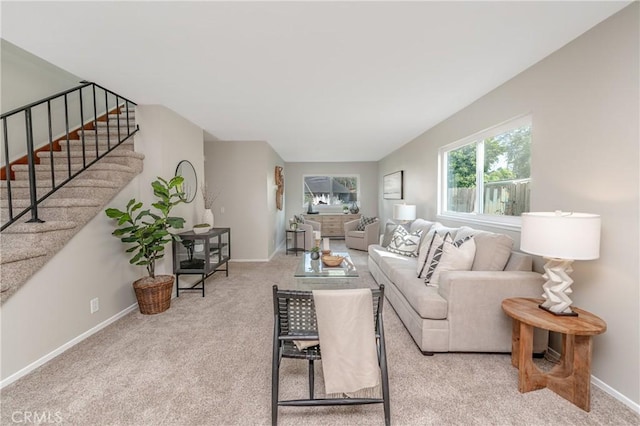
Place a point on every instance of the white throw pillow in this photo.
(405, 243)
(450, 256)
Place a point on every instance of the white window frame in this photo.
(329, 207)
(499, 221)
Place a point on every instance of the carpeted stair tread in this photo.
(74, 167)
(31, 228)
(78, 154)
(54, 202)
(78, 182)
(21, 253)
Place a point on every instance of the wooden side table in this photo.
(571, 378)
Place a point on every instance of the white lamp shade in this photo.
(561, 235)
(404, 212)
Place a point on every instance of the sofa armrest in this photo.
(474, 308)
(316, 226)
(372, 232)
(351, 225)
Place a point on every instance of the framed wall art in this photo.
(392, 186)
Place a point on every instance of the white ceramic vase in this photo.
(207, 217)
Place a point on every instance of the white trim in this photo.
(48, 357)
(247, 260)
(487, 220)
(603, 386)
(614, 393)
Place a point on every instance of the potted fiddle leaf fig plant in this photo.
(149, 231)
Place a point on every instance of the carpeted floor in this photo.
(207, 361)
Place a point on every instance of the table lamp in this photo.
(561, 238)
(404, 212)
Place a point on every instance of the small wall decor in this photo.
(190, 182)
(393, 186)
(280, 182)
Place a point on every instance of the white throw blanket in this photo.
(347, 339)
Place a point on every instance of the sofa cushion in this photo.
(450, 256)
(364, 221)
(492, 250)
(425, 300)
(421, 224)
(404, 243)
(389, 227)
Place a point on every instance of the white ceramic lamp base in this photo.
(557, 287)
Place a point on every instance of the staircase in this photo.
(95, 170)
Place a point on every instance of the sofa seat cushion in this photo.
(355, 234)
(401, 270)
(426, 300)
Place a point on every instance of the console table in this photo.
(571, 378)
(332, 224)
(201, 254)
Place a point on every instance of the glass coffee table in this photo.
(313, 274)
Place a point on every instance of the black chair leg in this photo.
(275, 378)
(311, 379)
(385, 376)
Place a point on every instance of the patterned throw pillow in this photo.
(405, 243)
(364, 221)
(450, 255)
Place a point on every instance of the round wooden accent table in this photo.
(571, 378)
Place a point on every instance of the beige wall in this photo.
(52, 308)
(585, 157)
(243, 173)
(367, 170)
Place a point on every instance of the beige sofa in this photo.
(463, 313)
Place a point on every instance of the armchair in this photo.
(308, 226)
(360, 240)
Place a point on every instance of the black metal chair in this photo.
(295, 320)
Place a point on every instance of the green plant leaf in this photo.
(114, 213)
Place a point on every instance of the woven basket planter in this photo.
(154, 294)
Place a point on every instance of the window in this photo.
(330, 190)
(488, 175)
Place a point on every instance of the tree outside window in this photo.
(490, 175)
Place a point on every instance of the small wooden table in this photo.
(571, 378)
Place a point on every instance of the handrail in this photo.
(84, 128)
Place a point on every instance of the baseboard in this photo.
(48, 357)
(247, 260)
(555, 355)
(614, 393)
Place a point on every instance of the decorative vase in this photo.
(354, 209)
(207, 217)
(315, 255)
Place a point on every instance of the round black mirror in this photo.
(190, 184)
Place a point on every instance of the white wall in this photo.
(52, 308)
(293, 184)
(26, 78)
(243, 173)
(585, 157)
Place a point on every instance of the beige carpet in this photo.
(207, 361)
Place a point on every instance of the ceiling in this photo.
(319, 81)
